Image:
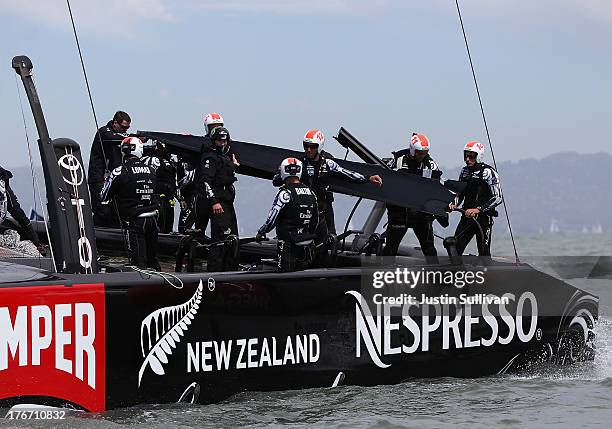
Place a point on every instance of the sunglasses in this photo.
(470, 155)
(311, 146)
(125, 127)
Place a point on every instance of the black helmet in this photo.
(219, 133)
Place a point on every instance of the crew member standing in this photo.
(104, 157)
(133, 185)
(414, 160)
(185, 173)
(165, 171)
(10, 203)
(294, 214)
(215, 176)
(315, 173)
(480, 197)
(186, 176)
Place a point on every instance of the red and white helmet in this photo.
(132, 146)
(476, 147)
(212, 119)
(315, 136)
(418, 142)
(291, 167)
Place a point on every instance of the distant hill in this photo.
(567, 191)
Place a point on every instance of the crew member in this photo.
(187, 186)
(414, 160)
(215, 176)
(165, 171)
(104, 157)
(10, 203)
(185, 173)
(295, 216)
(132, 185)
(317, 168)
(480, 197)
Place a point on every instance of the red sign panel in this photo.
(52, 343)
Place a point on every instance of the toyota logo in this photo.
(72, 171)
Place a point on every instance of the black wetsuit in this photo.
(133, 185)
(400, 218)
(215, 177)
(188, 191)
(483, 191)
(165, 171)
(9, 198)
(102, 159)
(294, 213)
(315, 175)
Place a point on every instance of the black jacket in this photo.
(5, 175)
(293, 213)
(132, 184)
(112, 150)
(404, 163)
(483, 190)
(216, 174)
(165, 172)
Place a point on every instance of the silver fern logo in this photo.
(163, 329)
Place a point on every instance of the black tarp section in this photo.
(262, 161)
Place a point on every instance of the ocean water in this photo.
(579, 395)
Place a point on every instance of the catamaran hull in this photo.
(109, 344)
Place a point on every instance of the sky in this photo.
(276, 68)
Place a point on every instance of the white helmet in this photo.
(315, 137)
(132, 146)
(291, 167)
(418, 142)
(212, 118)
(476, 147)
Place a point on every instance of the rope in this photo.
(93, 110)
(162, 274)
(76, 38)
(35, 185)
(484, 119)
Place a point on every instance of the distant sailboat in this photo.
(554, 227)
(597, 229)
(585, 230)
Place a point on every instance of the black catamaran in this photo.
(98, 337)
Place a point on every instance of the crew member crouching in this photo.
(10, 203)
(480, 197)
(316, 173)
(295, 216)
(133, 186)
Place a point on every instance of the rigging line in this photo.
(76, 38)
(484, 119)
(35, 185)
(93, 110)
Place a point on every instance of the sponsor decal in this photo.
(72, 173)
(382, 338)
(52, 343)
(243, 353)
(71, 169)
(162, 330)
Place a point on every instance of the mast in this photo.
(70, 218)
(347, 140)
